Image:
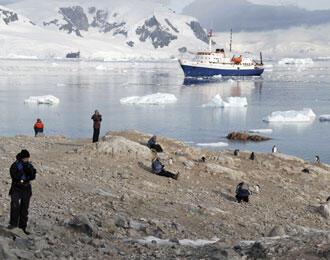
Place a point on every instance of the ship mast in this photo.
(231, 39)
(210, 40)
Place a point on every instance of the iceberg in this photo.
(261, 131)
(220, 144)
(324, 118)
(293, 61)
(217, 101)
(48, 99)
(305, 115)
(153, 99)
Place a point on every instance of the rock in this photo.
(188, 164)
(5, 252)
(277, 231)
(23, 254)
(120, 146)
(237, 136)
(82, 224)
(137, 225)
(231, 174)
(324, 210)
(120, 221)
(1, 210)
(109, 225)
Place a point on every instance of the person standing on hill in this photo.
(97, 118)
(38, 127)
(21, 172)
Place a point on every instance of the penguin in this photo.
(274, 150)
(317, 159)
(305, 170)
(257, 188)
(252, 156)
(236, 152)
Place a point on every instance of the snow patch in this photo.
(324, 118)
(220, 144)
(217, 101)
(184, 242)
(305, 115)
(101, 67)
(293, 61)
(261, 131)
(153, 99)
(48, 99)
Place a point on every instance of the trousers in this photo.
(19, 208)
(96, 134)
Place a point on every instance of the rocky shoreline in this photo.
(101, 201)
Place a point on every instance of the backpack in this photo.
(244, 187)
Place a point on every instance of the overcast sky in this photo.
(179, 4)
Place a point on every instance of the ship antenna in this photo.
(231, 39)
(261, 59)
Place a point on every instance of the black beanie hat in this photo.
(25, 154)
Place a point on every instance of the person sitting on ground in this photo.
(38, 127)
(152, 144)
(158, 168)
(242, 192)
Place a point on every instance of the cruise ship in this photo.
(208, 64)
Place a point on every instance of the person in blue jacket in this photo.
(159, 169)
(21, 172)
(153, 145)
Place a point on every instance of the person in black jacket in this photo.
(97, 118)
(21, 172)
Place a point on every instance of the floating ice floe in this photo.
(220, 144)
(261, 131)
(101, 67)
(324, 118)
(217, 101)
(305, 115)
(295, 61)
(184, 242)
(153, 99)
(48, 99)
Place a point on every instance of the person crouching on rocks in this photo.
(153, 145)
(97, 118)
(158, 168)
(38, 127)
(21, 172)
(242, 192)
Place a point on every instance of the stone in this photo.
(5, 252)
(82, 224)
(277, 231)
(188, 164)
(120, 221)
(324, 210)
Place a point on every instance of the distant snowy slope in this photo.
(139, 27)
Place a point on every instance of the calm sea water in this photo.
(83, 87)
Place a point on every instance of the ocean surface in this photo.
(85, 86)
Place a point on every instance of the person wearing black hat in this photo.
(97, 118)
(21, 172)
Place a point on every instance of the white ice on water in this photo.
(324, 118)
(295, 61)
(219, 144)
(261, 131)
(305, 115)
(217, 101)
(153, 99)
(48, 99)
(184, 242)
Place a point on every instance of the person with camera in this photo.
(21, 172)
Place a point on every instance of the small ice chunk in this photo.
(219, 144)
(324, 118)
(217, 101)
(261, 131)
(153, 99)
(305, 115)
(295, 61)
(48, 99)
(101, 67)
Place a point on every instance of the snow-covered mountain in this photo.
(100, 29)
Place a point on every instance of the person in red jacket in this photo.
(38, 127)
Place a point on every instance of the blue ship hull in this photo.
(191, 71)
